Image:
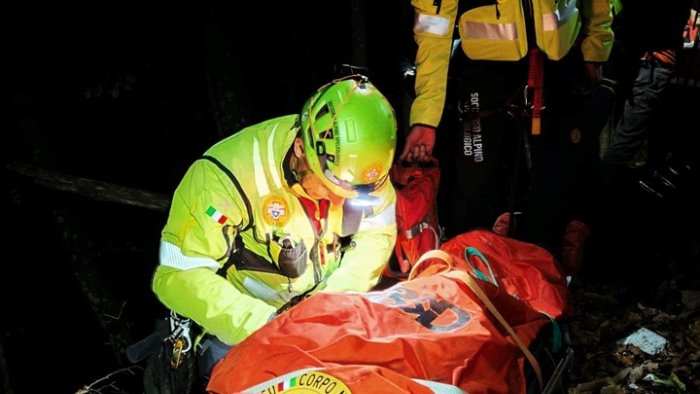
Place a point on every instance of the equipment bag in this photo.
(459, 326)
(416, 215)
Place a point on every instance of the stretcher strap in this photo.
(470, 252)
(432, 269)
(469, 280)
(446, 270)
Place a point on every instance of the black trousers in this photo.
(491, 162)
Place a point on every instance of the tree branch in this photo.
(96, 190)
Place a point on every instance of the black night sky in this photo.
(130, 95)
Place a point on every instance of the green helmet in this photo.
(349, 133)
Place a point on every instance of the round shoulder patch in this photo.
(275, 210)
(310, 382)
(370, 173)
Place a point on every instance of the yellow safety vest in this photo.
(497, 32)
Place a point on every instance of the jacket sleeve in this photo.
(361, 266)
(211, 301)
(433, 30)
(195, 241)
(598, 35)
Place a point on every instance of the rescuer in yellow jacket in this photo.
(287, 207)
(500, 30)
(498, 66)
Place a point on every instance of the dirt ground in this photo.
(606, 313)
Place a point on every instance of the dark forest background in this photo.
(108, 107)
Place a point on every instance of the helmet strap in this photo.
(298, 164)
(300, 175)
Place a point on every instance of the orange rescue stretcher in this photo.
(480, 315)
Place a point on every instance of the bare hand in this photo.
(419, 144)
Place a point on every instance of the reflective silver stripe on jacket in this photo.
(384, 218)
(259, 171)
(553, 20)
(271, 162)
(432, 24)
(171, 256)
(490, 31)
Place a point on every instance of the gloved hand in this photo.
(419, 144)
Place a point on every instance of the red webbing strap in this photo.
(535, 81)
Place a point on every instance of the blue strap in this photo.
(472, 251)
(556, 336)
(556, 333)
(469, 252)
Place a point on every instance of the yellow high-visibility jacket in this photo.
(243, 185)
(497, 32)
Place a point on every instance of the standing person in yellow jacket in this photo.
(477, 61)
(282, 209)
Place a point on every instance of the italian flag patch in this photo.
(287, 384)
(216, 215)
